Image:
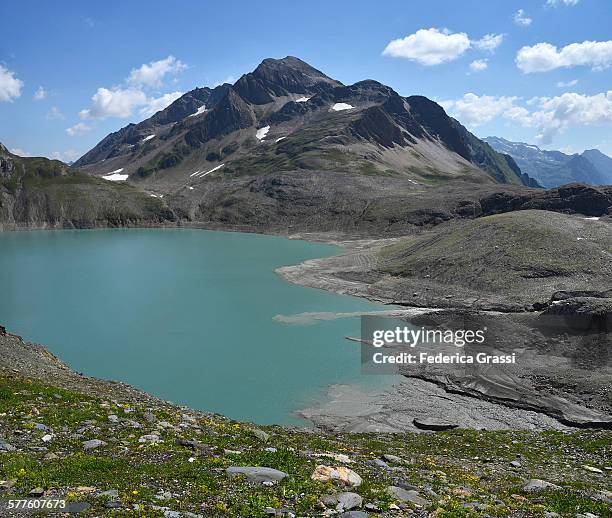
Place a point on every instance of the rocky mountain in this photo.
(554, 168)
(287, 116)
(38, 192)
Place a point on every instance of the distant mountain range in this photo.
(288, 116)
(554, 168)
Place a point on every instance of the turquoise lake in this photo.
(187, 315)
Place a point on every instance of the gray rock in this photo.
(591, 469)
(36, 492)
(354, 514)
(603, 496)
(393, 458)
(76, 507)
(348, 501)
(536, 484)
(5, 446)
(257, 474)
(343, 501)
(93, 443)
(587, 515)
(404, 495)
(515, 463)
(150, 417)
(261, 435)
(380, 464)
(149, 438)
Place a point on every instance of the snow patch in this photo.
(148, 137)
(190, 188)
(156, 195)
(199, 111)
(279, 139)
(594, 218)
(338, 107)
(302, 99)
(114, 176)
(202, 174)
(262, 132)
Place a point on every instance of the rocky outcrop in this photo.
(571, 198)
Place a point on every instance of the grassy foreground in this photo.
(162, 460)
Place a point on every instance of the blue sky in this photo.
(540, 75)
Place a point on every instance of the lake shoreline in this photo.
(359, 255)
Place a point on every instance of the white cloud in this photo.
(40, 94)
(543, 57)
(159, 103)
(521, 18)
(117, 102)
(478, 65)
(555, 3)
(429, 46)
(434, 46)
(54, 114)
(19, 152)
(549, 115)
(565, 84)
(70, 155)
(10, 86)
(78, 129)
(475, 110)
(489, 42)
(152, 74)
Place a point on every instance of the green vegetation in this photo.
(460, 467)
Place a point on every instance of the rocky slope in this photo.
(554, 168)
(42, 193)
(109, 450)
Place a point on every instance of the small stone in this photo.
(257, 474)
(340, 474)
(149, 438)
(36, 492)
(76, 507)
(47, 437)
(113, 418)
(393, 458)
(539, 485)
(93, 443)
(261, 435)
(271, 450)
(403, 495)
(5, 446)
(353, 514)
(150, 417)
(592, 469)
(603, 496)
(515, 463)
(50, 456)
